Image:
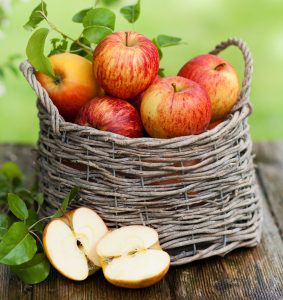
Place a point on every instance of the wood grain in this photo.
(243, 274)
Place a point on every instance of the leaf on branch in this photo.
(78, 17)
(36, 16)
(17, 206)
(110, 2)
(166, 40)
(5, 222)
(35, 52)
(39, 198)
(79, 50)
(5, 185)
(34, 271)
(63, 207)
(94, 34)
(100, 17)
(155, 42)
(11, 170)
(161, 72)
(17, 246)
(59, 46)
(33, 218)
(98, 23)
(131, 12)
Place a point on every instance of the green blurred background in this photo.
(200, 23)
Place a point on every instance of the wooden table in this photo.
(243, 274)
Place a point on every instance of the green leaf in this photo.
(77, 49)
(161, 72)
(2, 72)
(33, 218)
(166, 40)
(65, 203)
(13, 69)
(24, 194)
(35, 52)
(5, 222)
(100, 17)
(59, 46)
(17, 246)
(11, 170)
(94, 34)
(17, 206)
(5, 185)
(36, 17)
(33, 271)
(78, 17)
(131, 12)
(110, 2)
(155, 42)
(39, 198)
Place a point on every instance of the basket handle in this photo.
(28, 72)
(246, 84)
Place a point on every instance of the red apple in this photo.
(175, 106)
(125, 64)
(218, 78)
(111, 114)
(73, 85)
(136, 101)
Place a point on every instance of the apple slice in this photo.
(70, 243)
(131, 257)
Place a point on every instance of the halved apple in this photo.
(131, 257)
(70, 243)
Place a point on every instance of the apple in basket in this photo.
(136, 101)
(175, 106)
(131, 257)
(70, 243)
(125, 64)
(111, 114)
(218, 78)
(73, 85)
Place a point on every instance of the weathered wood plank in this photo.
(269, 158)
(243, 274)
(269, 152)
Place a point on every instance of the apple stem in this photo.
(220, 66)
(127, 35)
(174, 87)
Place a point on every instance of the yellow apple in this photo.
(73, 85)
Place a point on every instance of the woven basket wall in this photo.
(199, 192)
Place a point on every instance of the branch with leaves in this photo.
(97, 23)
(20, 226)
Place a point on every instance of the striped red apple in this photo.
(175, 106)
(218, 78)
(125, 64)
(111, 114)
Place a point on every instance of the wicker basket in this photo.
(199, 192)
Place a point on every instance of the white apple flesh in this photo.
(131, 257)
(70, 243)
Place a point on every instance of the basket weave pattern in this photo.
(199, 192)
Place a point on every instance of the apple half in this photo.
(70, 243)
(131, 257)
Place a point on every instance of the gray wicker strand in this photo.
(198, 192)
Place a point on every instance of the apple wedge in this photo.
(131, 257)
(70, 243)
